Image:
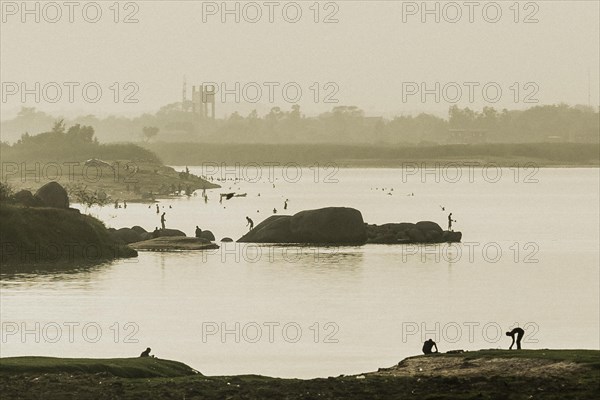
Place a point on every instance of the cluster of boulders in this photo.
(421, 232)
(164, 239)
(341, 225)
(139, 234)
(52, 194)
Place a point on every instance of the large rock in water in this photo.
(171, 243)
(208, 235)
(127, 235)
(426, 226)
(338, 225)
(403, 233)
(331, 225)
(52, 194)
(170, 232)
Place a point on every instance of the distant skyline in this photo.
(376, 56)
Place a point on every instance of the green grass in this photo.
(138, 367)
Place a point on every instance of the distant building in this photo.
(202, 104)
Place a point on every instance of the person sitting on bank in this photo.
(146, 353)
(428, 345)
(519, 332)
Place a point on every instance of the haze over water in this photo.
(367, 300)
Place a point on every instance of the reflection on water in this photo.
(304, 311)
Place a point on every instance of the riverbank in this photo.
(522, 155)
(485, 374)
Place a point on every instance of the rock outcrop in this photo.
(207, 235)
(173, 243)
(26, 198)
(331, 225)
(138, 234)
(421, 232)
(52, 194)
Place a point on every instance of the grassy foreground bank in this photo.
(487, 374)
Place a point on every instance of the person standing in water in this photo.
(163, 220)
(285, 204)
(157, 209)
(519, 332)
(450, 221)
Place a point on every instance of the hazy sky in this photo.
(376, 55)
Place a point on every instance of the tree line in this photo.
(347, 124)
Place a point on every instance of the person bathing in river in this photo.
(519, 332)
(163, 220)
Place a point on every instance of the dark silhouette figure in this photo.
(450, 221)
(124, 204)
(198, 231)
(163, 220)
(285, 204)
(146, 353)
(157, 209)
(519, 332)
(428, 345)
(250, 223)
(274, 211)
(443, 208)
(156, 233)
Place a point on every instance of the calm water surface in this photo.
(530, 256)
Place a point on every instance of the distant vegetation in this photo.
(92, 172)
(75, 143)
(342, 124)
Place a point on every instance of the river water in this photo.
(529, 257)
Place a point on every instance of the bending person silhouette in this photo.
(428, 345)
(250, 223)
(519, 332)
